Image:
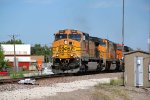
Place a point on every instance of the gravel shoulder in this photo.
(75, 88)
(113, 93)
(52, 81)
(44, 91)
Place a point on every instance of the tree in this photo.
(47, 53)
(3, 63)
(37, 49)
(1, 53)
(12, 42)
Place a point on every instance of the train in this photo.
(74, 51)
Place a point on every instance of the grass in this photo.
(113, 89)
(14, 74)
(116, 82)
(98, 95)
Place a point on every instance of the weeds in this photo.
(116, 82)
(14, 74)
(98, 95)
(113, 88)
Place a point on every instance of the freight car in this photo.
(75, 51)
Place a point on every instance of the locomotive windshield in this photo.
(75, 36)
(60, 36)
(102, 43)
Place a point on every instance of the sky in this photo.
(35, 21)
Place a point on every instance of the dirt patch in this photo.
(103, 92)
(82, 94)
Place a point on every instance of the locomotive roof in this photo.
(96, 39)
(69, 31)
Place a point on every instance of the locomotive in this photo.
(75, 51)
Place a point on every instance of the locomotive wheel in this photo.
(83, 68)
(118, 66)
(99, 67)
(107, 66)
(122, 67)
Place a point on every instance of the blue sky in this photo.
(35, 21)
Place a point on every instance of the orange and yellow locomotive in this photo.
(75, 51)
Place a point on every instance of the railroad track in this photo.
(15, 80)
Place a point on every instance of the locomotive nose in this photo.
(65, 51)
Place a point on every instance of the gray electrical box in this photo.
(137, 69)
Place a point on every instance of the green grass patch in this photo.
(25, 72)
(116, 81)
(14, 74)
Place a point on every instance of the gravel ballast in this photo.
(41, 92)
(73, 88)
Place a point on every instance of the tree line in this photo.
(12, 42)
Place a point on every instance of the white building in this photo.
(23, 52)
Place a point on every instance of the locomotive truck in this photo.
(75, 51)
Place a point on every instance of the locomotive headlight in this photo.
(71, 55)
(57, 55)
(65, 42)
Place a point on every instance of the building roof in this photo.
(136, 52)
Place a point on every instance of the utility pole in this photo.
(149, 47)
(123, 40)
(13, 36)
(149, 42)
